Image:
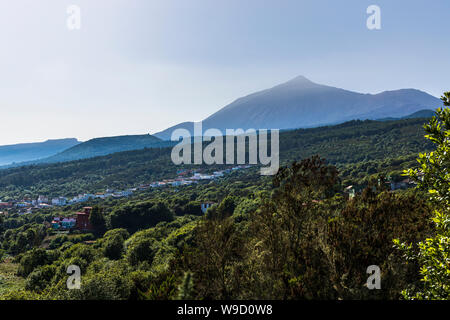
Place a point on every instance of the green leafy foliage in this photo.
(296, 236)
(433, 254)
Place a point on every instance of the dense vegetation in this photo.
(108, 145)
(296, 235)
(298, 241)
(358, 148)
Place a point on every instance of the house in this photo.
(83, 197)
(64, 223)
(68, 223)
(44, 205)
(218, 173)
(177, 183)
(6, 204)
(183, 172)
(126, 193)
(206, 205)
(56, 223)
(350, 192)
(404, 184)
(205, 177)
(42, 199)
(82, 220)
(60, 201)
(22, 205)
(100, 195)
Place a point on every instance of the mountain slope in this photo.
(33, 151)
(104, 146)
(421, 114)
(301, 103)
(416, 115)
(374, 144)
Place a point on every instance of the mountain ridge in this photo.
(22, 152)
(100, 147)
(107, 145)
(301, 103)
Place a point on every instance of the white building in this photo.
(60, 201)
(206, 205)
(42, 199)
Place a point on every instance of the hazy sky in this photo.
(139, 66)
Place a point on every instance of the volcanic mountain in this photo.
(301, 103)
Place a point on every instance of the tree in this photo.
(139, 215)
(290, 232)
(361, 235)
(215, 257)
(31, 260)
(1, 223)
(141, 250)
(186, 288)
(97, 220)
(40, 278)
(114, 247)
(434, 175)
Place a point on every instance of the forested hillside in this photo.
(296, 235)
(358, 148)
(32, 151)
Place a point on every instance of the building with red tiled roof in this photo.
(83, 222)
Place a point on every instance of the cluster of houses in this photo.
(184, 177)
(26, 206)
(80, 222)
(350, 191)
(59, 223)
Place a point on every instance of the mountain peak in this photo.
(301, 103)
(300, 78)
(299, 82)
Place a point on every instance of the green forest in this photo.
(357, 148)
(295, 235)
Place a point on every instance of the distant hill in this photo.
(301, 103)
(371, 145)
(33, 151)
(100, 147)
(104, 146)
(415, 115)
(421, 114)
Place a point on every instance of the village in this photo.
(28, 206)
(185, 177)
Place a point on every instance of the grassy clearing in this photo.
(9, 281)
